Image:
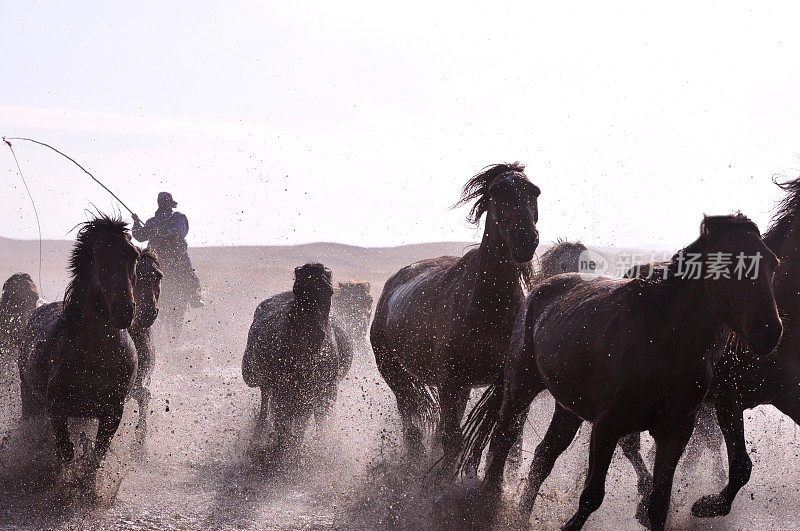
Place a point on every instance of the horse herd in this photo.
(643, 353)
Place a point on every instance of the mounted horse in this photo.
(297, 354)
(76, 357)
(629, 356)
(146, 294)
(17, 303)
(445, 323)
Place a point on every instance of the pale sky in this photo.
(292, 122)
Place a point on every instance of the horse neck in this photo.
(496, 271)
(691, 322)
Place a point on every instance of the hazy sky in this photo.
(295, 122)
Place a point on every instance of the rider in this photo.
(166, 232)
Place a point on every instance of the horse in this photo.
(17, 303)
(146, 293)
(352, 302)
(563, 257)
(297, 353)
(628, 355)
(76, 356)
(445, 323)
(742, 381)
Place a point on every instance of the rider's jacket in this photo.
(166, 232)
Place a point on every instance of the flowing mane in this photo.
(80, 261)
(478, 187)
(785, 214)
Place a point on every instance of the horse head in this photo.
(313, 288)
(354, 299)
(103, 266)
(510, 201)
(19, 296)
(738, 270)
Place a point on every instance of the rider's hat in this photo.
(165, 200)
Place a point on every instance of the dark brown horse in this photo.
(297, 354)
(17, 303)
(76, 357)
(145, 293)
(629, 356)
(446, 322)
(742, 381)
(352, 302)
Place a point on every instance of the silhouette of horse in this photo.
(76, 357)
(446, 322)
(641, 363)
(297, 354)
(17, 303)
(146, 293)
(742, 381)
(352, 303)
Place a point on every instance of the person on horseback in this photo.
(166, 232)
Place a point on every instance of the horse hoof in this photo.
(710, 507)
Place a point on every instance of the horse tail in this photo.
(479, 426)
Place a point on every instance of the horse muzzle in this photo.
(762, 338)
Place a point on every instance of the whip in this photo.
(95, 179)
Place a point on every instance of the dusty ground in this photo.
(199, 472)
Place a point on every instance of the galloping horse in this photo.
(76, 357)
(17, 303)
(297, 354)
(145, 293)
(742, 381)
(629, 356)
(446, 322)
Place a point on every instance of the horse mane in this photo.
(711, 226)
(785, 213)
(80, 261)
(478, 187)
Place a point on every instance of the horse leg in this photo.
(406, 393)
(263, 412)
(631, 447)
(605, 435)
(322, 411)
(106, 428)
(520, 387)
(143, 399)
(563, 427)
(453, 400)
(515, 454)
(731, 421)
(670, 444)
(65, 446)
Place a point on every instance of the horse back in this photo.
(417, 302)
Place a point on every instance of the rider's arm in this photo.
(144, 232)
